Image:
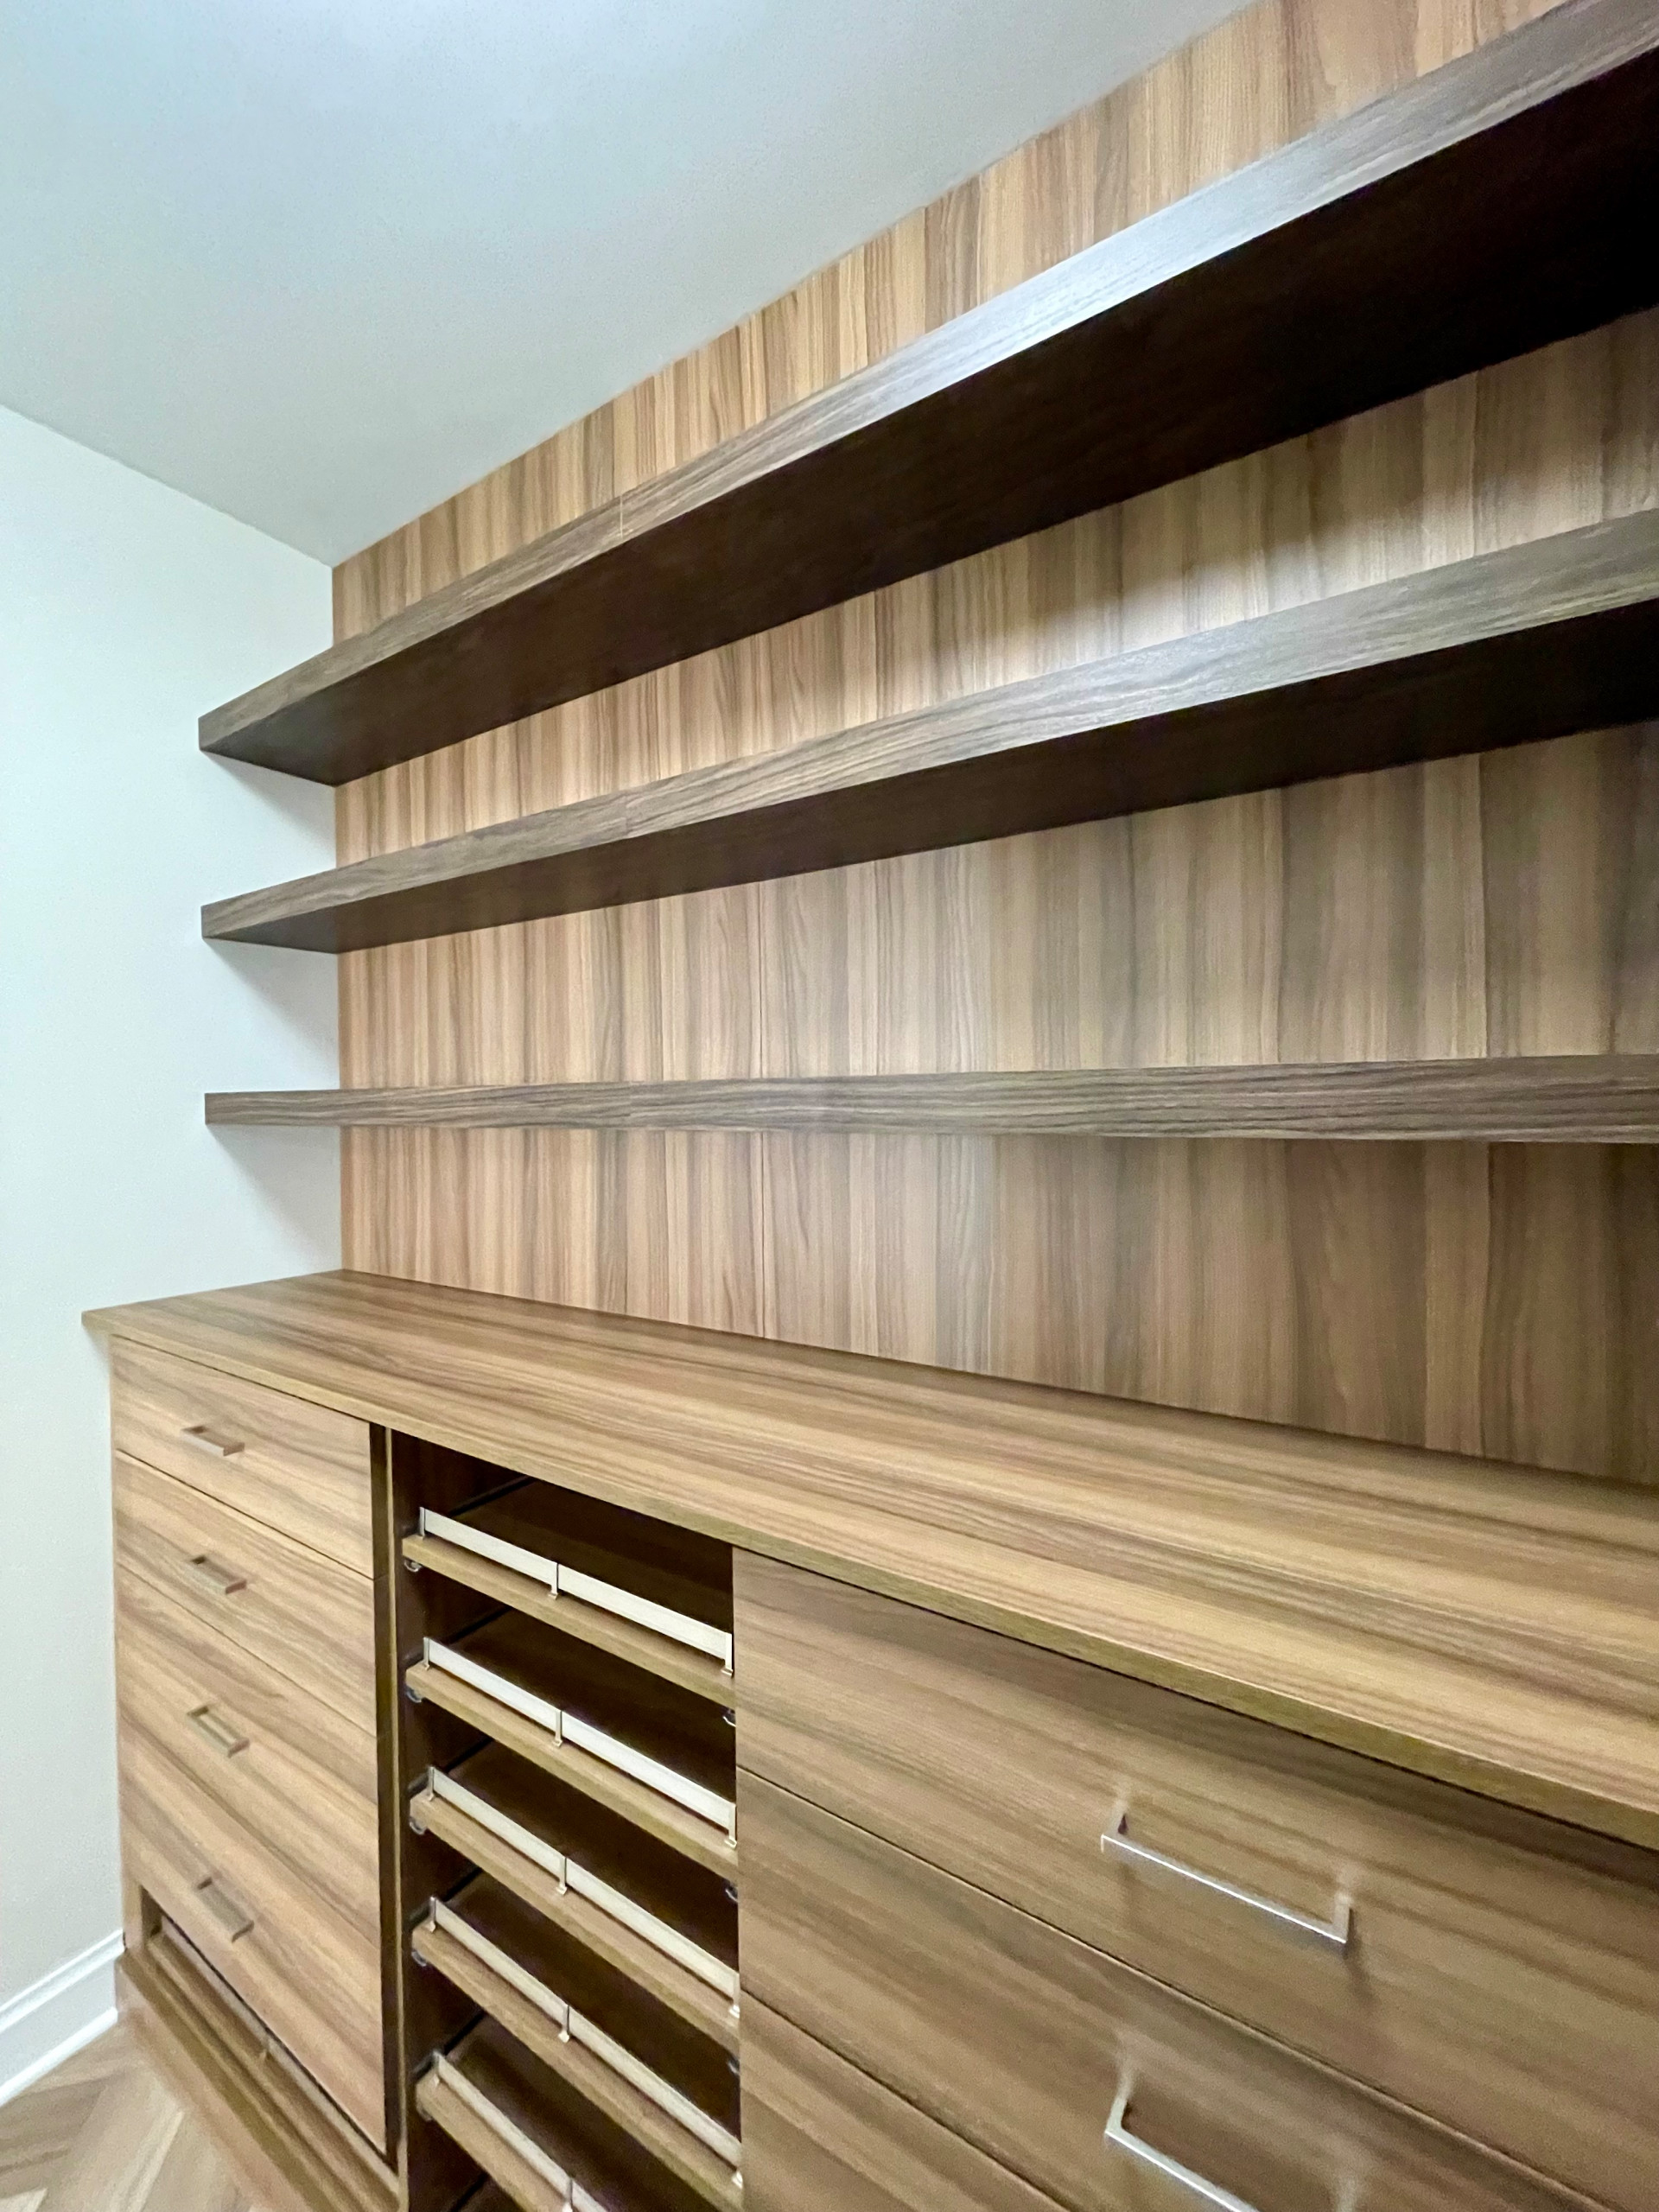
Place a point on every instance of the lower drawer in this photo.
(818, 2136)
(311, 1976)
(300, 1614)
(1099, 2088)
(290, 1770)
(1494, 1969)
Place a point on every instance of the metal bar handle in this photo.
(206, 1439)
(235, 1919)
(1118, 2135)
(218, 1732)
(1337, 1931)
(223, 1581)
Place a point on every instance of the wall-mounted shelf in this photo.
(1579, 1099)
(1528, 643)
(1493, 206)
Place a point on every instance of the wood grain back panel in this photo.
(1491, 904)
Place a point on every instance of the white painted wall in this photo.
(125, 609)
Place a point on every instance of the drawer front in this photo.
(1501, 1972)
(1020, 2039)
(311, 1621)
(818, 2136)
(300, 1468)
(312, 1977)
(289, 1769)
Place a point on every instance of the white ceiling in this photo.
(321, 263)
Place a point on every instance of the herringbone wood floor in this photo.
(103, 2134)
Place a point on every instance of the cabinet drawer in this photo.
(311, 1976)
(1023, 2040)
(289, 1769)
(818, 2136)
(1501, 1971)
(310, 1619)
(300, 1468)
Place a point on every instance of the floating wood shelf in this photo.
(1496, 205)
(1576, 1099)
(1529, 643)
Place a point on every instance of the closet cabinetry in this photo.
(706, 1849)
(250, 1784)
(1098, 1757)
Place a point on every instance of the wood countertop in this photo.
(1492, 1625)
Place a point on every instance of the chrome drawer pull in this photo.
(1337, 1931)
(235, 1919)
(223, 1581)
(1118, 2136)
(213, 1439)
(219, 1733)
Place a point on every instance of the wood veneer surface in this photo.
(299, 1469)
(289, 1607)
(311, 1976)
(657, 1815)
(1497, 905)
(1331, 276)
(1492, 1625)
(704, 1676)
(649, 1714)
(699, 1905)
(683, 2154)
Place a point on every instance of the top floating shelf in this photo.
(1496, 205)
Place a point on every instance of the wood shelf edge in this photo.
(1590, 1098)
(515, 2176)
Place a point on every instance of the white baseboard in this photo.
(56, 2016)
